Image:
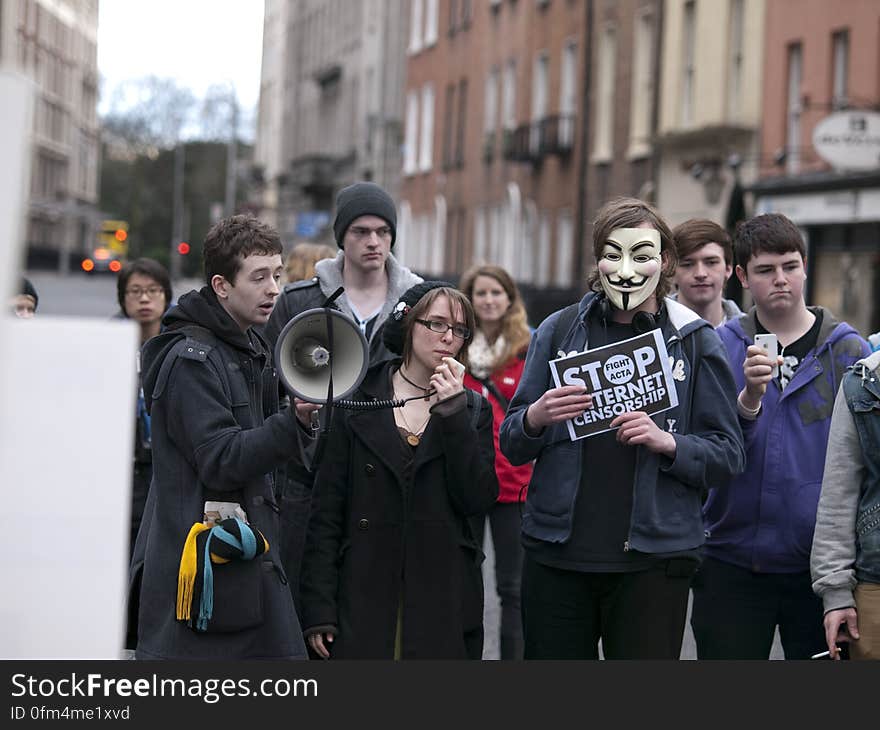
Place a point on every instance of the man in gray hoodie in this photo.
(373, 279)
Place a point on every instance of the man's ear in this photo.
(743, 278)
(728, 271)
(220, 285)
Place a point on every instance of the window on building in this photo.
(564, 249)
(602, 145)
(462, 122)
(840, 69)
(689, 41)
(542, 268)
(490, 110)
(735, 60)
(642, 91)
(453, 16)
(479, 253)
(568, 93)
(431, 11)
(411, 134)
(793, 112)
(448, 117)
(415, 26)
(426, 148)
(466, 13)
(539, 99)
(508, 96)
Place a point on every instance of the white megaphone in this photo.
(319, 344)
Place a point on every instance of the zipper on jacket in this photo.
(626, 546)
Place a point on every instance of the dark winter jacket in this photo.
(213, 397)
(383, 536)
(667, 492)
(765, 520)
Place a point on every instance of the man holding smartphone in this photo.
(759, 529)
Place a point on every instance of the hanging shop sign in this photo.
(849, 140)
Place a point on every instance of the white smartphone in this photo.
(771, 346)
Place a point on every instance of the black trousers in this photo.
(639, 615)
(506, 524)
(736, 612)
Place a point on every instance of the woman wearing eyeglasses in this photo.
(391, 569)
(143, 289)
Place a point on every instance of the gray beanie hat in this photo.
(363, 198)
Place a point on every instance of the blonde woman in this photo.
(300, 264)
(496, 358)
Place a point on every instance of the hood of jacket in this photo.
(202, 309)
(329, 275)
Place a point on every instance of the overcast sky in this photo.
(196, 42)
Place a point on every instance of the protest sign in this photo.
(631, 375)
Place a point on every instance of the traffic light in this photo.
(121, 235)
(183, 248)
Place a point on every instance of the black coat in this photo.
(217, 435)
(384, 535)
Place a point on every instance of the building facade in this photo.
(708, 136)
(330, 107)
(820, 146)
(493, 139)
(54, 43)
(623, 103)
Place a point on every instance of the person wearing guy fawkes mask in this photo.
(612, 524)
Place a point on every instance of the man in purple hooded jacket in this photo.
(759, 529)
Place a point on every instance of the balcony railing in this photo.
(548, 136)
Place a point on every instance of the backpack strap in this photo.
(563, 325)
(475, 402)
(493, 389)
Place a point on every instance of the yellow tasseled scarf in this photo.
(186, 577)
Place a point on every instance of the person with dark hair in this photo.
(143, 290)
(496, 358)
(391, 568)
(366, 229)
(24, 304)
(210, 580)
(705, 263)
(756, 572)
(612, 526)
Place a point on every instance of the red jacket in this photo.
(512, 480)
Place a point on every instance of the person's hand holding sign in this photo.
(557, 404)
(638, 428)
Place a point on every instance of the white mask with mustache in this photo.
(630, 266)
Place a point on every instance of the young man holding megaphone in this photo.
(212, 393)
(373, 281)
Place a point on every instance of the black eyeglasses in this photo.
(441, 328)
(135, 292)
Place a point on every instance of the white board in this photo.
(66, 440)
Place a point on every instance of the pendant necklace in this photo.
(413, 438)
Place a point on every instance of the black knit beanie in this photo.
(28, 289)
(392, 331)
(363, 198)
